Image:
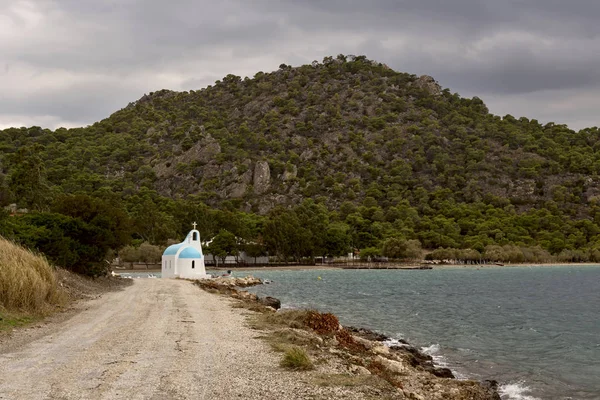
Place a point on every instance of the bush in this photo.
(322, 323)
(296, 358)
(345, 339)
(27, 281)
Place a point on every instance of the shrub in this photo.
(296, 358)
(322, 323)
(345, 339)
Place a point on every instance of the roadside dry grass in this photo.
(31, 288)
(28, 283)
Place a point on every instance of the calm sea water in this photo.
(534, 329)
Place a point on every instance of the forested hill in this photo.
(388, 154)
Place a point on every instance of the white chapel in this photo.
(185, 260)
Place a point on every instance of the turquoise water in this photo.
(534, 329)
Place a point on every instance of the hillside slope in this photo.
(347, 132)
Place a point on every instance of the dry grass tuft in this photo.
(296, 358)
(289, 318)
(27, 281)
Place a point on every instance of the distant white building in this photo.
(242, 258)
(185, 260)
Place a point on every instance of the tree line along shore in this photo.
(84, 234)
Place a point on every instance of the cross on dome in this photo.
(194, 225)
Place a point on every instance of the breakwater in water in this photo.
(533, 329)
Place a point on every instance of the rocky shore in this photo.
(365, 361)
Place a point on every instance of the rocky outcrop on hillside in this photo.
(262, 177)
(429, 84)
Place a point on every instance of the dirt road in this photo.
(157, 339)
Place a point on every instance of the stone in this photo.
(366, 343)
(271, 302)
(247, 176)
(429, 84)
(240, 282)
(359, 370)
(262, 177)
(381, 349)
(244, 295)
(441, 372)
(391, 365)
(237, 189)
(367, 334)
(491, 388)
(205, 150)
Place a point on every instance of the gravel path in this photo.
(157, 339)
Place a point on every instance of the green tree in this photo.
(369, 253)
(28, 180)
(255, 248)
(394, 248)
(337, 240)
(150, 254)
(285, 236)
(224, 244)
(152, 224)
(113, 227)
(66, 241)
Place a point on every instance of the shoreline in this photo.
(371, 310)
(374, 266)
(408, 370)
(533, 265)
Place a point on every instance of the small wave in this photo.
(515, 391)
(431, 350)
(394, 343)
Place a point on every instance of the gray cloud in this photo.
(72, 62)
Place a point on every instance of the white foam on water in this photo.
(431, 350)
(438, 359)
(515, 391)
(394, 343)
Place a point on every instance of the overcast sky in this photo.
(74, 62)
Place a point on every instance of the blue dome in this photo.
(172, 250)
(190, 252)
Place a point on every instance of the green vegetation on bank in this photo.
(310, 161)
(295, 358)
